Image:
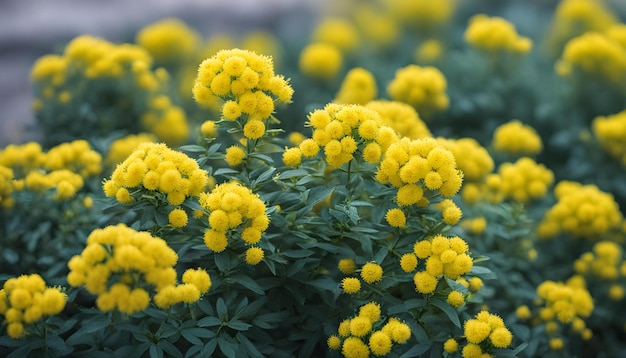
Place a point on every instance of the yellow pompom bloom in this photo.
(396, 218)
(320, 60)
(481, 30)
(168, 40)
(199, 278)
(425, 283)
(178, 218)
(333, 342)
(451, 345)
(234, 155)
(360, 326)
(515, 138)
(476, 331)
(292, 157)
(254, 255)
(309, 148)
(254, 129)
(353, 347)
(523, 312)
(501, 337)
(422, 249)
(380, 343)
(408, 262)
(347, 266)
(371, 311)
(608, 130)
(371, 272)
(456, 298)
(358, 87)
(421, 87)
(351, 285)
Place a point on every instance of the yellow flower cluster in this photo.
(610, 131)
(61, 168)
(6, 187)
(235, 211)
(605, 261)
(123, 266)
(248, 85)
(424, 88)
(594, 54)
(358, 87)
(516, 139)
(483, 333)
(471, 158)
(565, 303)
(76, 156)
(401, 117)
(450, 212)
(357, 337)
(424, 15)
(428, 52)
(168, 41)
(344, 130)
(414, 166)
(573, 18)
(443, 256)
(25, 300)
(121, 148)
(376, 28)
(156, 170)
(166, 121)
(582, 211)
(494, 34)
(337, 32)
(90, 60)
(524, 180)
(320, 60)
(370, 273)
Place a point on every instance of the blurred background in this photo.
(32, 28)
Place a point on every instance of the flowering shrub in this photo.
(363, 192)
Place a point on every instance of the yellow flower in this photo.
(380, 343)
(425, 282)
(254, 129)
(334, 342)
(346, 266)
(371, 272)
(476, 331)
(396, 218)
(408, 262)
(178, 218)
(254, 255)
(360, 326)
(456, 298)
(451, 345)
(501, 337)
(371, 311)
(292, 157)
(351, 285)
(320, 60)
(216, 241)
(199, 278)
(234, 155)
(353, 347)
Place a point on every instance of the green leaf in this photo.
(221, 308)
(265, 158)
(209, 322)
(266, 175)
(209, 348)
(447, 309)
(192, 148)
(292, 173)
(227, 346)
(483, 272)
(135, 350)
(238, 325)
(57, 344)
(247, 282)
(250, 347)
(297, 254)
(325, 283)
(225, 171)
(406, 306)
(381, 254)
(170, 349)
(155, 351)
(417, 350)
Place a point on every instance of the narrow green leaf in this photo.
(221, 308)
(448, 310)
(227, 347)
(247, 282)
(192, 148)
(209, 322)
(293, 173)
(250, 347)
(238, 325)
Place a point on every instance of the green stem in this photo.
(348, 184)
